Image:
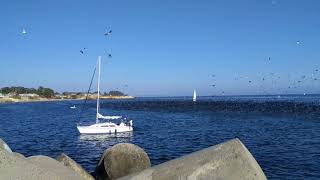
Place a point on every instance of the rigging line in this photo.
(85, 101)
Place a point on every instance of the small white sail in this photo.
(194, 99)
(24, 31)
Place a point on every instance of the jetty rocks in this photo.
(16, 166)
(229, 160)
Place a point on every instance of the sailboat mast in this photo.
(98, 93)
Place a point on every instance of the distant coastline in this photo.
(14, 100)
(17, 94)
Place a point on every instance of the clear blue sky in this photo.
(162, 47)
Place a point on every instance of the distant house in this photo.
(29, 96)
(61, 96)
(1, 95)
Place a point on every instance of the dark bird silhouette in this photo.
(109, 56)
(82, 50)
(108, 33)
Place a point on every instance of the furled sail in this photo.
(100, 116)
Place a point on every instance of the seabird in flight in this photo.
(108, 33)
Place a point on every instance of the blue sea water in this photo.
(283, 134)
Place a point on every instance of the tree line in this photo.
(41, 91)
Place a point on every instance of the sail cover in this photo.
(108, 117)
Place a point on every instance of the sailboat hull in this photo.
(104, 128)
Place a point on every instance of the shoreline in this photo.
(13, 100)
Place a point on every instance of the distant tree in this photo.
(116, 93)
(31, 91)
(41, 91)
(45, 92)
(5, 90)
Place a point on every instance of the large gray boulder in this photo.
(230, 160)
(4, 146)
(13, 167)
(54, 166)
(121, 160)
(70, 163)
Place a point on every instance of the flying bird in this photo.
(109, 56)
(82, 50)
(108, 33)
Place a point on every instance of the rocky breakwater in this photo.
(229, 160)
(15, 166)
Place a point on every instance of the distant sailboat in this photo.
(24, 31)
(194, 99)
(105, 127)
(73, 107)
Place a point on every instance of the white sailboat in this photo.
(194, 99)
(105, 127)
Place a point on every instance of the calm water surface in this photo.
(283, 134)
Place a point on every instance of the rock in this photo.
(70, 163)
(54, 166)
(18, 155)
(230, 160)
(3, 145)
(121, 160)
(14, 167)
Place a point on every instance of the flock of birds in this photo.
(295, 84)
(270, 81)
(107, 33)
(83, 50)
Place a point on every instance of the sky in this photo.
(163, 47)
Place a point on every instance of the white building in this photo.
(29, 95)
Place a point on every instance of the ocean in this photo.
(282, 133)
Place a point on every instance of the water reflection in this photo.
(126, 137)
